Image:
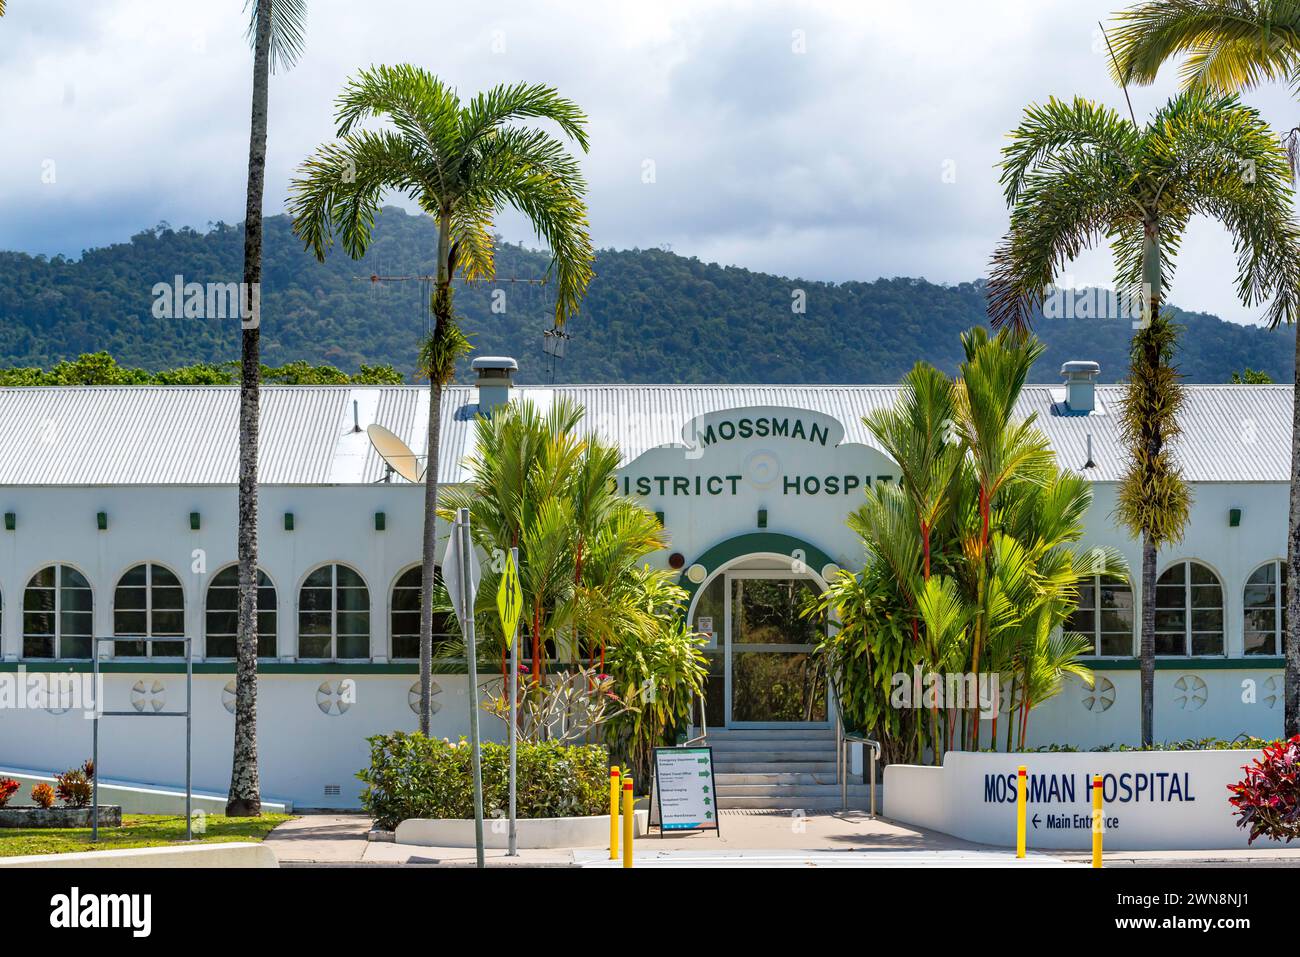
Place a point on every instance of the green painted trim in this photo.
(228, 667)
(733, 548)
(1262, 663)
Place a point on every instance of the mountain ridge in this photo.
(650, 316)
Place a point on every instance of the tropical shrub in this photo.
(973, 560)
(1267, 800)
(73, 787)
(43, 795)
(8, 787)
(415, 776)
(557, 707)
(658, 673)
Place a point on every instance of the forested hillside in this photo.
(650, 316)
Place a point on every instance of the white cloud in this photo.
(808, 139)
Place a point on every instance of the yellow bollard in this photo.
(1097, 826)
(613, 813)
(1022, 786)
(629, 819)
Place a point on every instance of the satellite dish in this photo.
(396, 454)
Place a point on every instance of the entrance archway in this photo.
(749, 597)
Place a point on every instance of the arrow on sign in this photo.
(1035, 822)
(510, 599)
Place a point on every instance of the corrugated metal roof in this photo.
(183, 435)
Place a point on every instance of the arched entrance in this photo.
(749, 595)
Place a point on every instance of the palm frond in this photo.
(287, 24)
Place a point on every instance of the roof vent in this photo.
(496, 377)
(1080, 385)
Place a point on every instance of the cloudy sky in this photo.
(828, 140)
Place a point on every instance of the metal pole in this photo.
(471, 654)
(189, 716)
(872, 746)
(94, 747)
(514, 719)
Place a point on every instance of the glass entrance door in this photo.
(773, 678)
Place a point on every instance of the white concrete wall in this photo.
(1154, 800)
(302, 749)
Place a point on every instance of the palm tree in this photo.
(276, 31)
(1233, 45)
(463, 163)
(1075, 173)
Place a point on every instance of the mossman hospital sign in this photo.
(776, 451)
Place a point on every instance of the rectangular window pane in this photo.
(130, 599)
(129, 623)
(1119, 645)
(354, 623)
(38, 623)
(1261, 643)
(38, 647)
(1207, 643)
(129, 649)
(74, 647)
(313, 646)
(1171, 644)
(354, 646)
(38, 599)
(353, 599)
(406, 646)
(1204, 620)
(314, 623)
(315, 599)
(221, 647)
(1207, 596)
(168, 649)
(223, 622)
(168, 622)
(171, 599)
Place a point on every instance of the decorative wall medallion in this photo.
(228, 696)
(413, 697)
(148, 696)
(762, 468)
(1191, 692)
(1100, 696)
(335, 697)
(1274, 686)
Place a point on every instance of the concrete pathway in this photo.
(744, 839)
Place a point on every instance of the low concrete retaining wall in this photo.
(532, 832)
(141, 798)
(110, 815)
(1153, 800)
(241, 854)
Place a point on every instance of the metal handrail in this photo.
(704, 721)
(842, 739)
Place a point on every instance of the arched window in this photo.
(1189, 611)
(334, 614)
(1264, 604)
(1105, 615)
(149, 605)
(58, 614)
(404, 618)
(222, 619)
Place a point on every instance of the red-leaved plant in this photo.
(1268, 800)
(8, 787)
(43, 795)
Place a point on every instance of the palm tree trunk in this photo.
(442, 318)
(1147, 651)
(1154, 445)
(245, 797)
(1291, 719)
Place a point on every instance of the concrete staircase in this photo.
(779, 769)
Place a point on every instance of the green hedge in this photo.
(411, 775)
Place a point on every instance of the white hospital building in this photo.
(119, 509)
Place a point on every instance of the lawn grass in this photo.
(137, 830)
